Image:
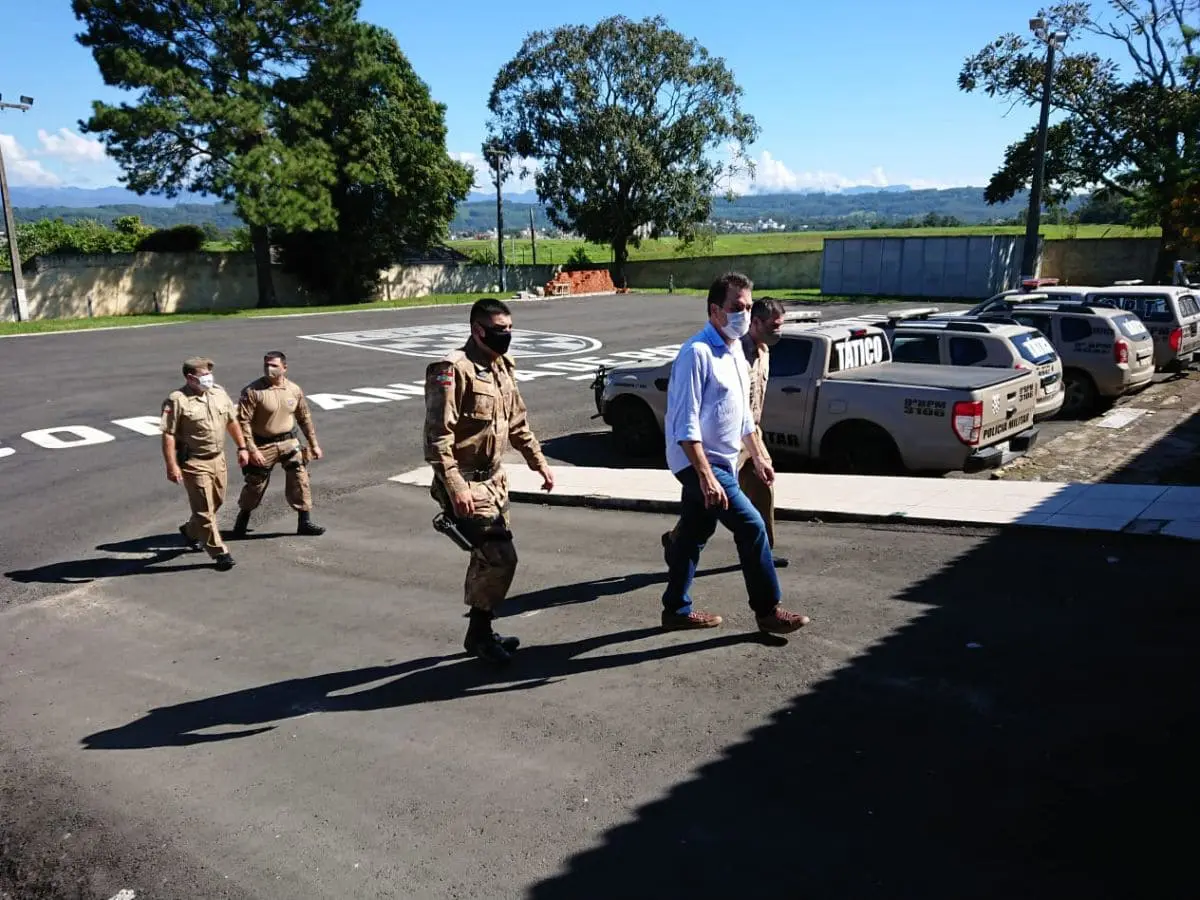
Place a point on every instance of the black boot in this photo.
(225, 562)
(305, 525)
(481, 641)
(242, 525)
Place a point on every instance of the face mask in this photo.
(737, 326)
(771, 338)
(497, 341)
(274, 371)
(205, 381)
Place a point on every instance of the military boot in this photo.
(305, 525)
(481, 641)
(242, 524)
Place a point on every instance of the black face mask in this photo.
(497, 340)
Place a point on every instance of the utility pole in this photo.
(1033, 218)
(20, 308)
(499, 157)
(532, 236)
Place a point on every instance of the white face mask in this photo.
(205, 381)
(737, 326)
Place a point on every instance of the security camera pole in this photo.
(1033, 219)
(20, 310)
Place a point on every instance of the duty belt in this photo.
(260, 439)
(477, 474)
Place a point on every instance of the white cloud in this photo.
(773, 176)
(483, 181)
(71, 147)
(22, 170)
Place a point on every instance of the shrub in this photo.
(180, 239)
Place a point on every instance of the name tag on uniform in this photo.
(483, 374)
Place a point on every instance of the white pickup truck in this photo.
(834, 396)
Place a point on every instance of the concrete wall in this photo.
(1099, 261)
(455, 278)
(768, 271)
(58, 287)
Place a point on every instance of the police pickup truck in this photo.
(835, 396)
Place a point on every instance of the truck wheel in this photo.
(635, 429)
(861, 448)
(1080, 396)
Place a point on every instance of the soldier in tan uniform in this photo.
(195, 420)
(766, 324)
(269, 411)
(473, 413)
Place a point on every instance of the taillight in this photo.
(1121, 352)
(1025, 366)
(968, 421)
(1176, 339)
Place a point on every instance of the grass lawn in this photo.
(558, 251)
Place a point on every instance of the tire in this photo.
(635, 429)
(860, 448)
(1080, 397)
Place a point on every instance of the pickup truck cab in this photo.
(1170, 313)
(835, 396)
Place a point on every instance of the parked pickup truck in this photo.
(835, 396)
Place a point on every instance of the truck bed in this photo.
(929, 376)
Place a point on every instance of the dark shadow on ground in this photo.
(161, 547)
(436, 679)
(1030, 733)
(586, 592)
(597, 449)
(1172, 459)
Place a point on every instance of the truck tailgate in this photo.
(1007, 409)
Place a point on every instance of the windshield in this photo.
(1034, 348)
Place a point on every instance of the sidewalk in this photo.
(1134, 508)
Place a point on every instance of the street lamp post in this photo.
(20, 308)
(1033, 219)
(499, 157)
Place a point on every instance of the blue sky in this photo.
(861, 92)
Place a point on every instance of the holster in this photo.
(181, 454)
(470, 534)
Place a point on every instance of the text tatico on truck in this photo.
(834, 395)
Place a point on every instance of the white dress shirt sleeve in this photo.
(684, 393)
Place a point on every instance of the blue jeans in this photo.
(697, 523)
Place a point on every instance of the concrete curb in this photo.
(626, 504)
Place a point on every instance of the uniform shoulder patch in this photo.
(440, 375)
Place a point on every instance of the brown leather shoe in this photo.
(694, 619)
(780, 621)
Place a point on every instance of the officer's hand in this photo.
(765, 471)
(174, 475)
(714, 494)
(316, 451)
(547, 478)
(258, 459)
(464, 504)
(243, 457)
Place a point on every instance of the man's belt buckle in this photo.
(478, 474)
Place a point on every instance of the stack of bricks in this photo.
(591, 281)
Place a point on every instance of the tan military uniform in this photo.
(198, 422)
(268, 415)
(473, 413)
(762, 496)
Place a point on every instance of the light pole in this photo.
(20, 309)
(1033, 219)
(499, 157)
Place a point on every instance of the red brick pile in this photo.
(590, 281)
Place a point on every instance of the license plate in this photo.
(1052, 389)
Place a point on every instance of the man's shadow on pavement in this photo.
(587, 591)
(433, 679)
(160, 548)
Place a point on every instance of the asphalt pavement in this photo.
(967, 715)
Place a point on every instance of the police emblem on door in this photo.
(996, 404)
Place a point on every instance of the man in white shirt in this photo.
(708, 423)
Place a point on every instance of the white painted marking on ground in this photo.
(1121, 417)
(435, 341)
(6, 451)
(85, 435)
(124, 894)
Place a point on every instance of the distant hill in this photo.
(849, 208)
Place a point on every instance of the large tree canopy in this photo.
(1134, 134)
(623, 119)
(208, 75)
(396, 187)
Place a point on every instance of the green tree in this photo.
(623, 118)
(208, 74)
(396, 187)
(1135, 133)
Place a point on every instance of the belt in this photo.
(260, 439)
(478, 474)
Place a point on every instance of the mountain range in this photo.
(854, 207)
